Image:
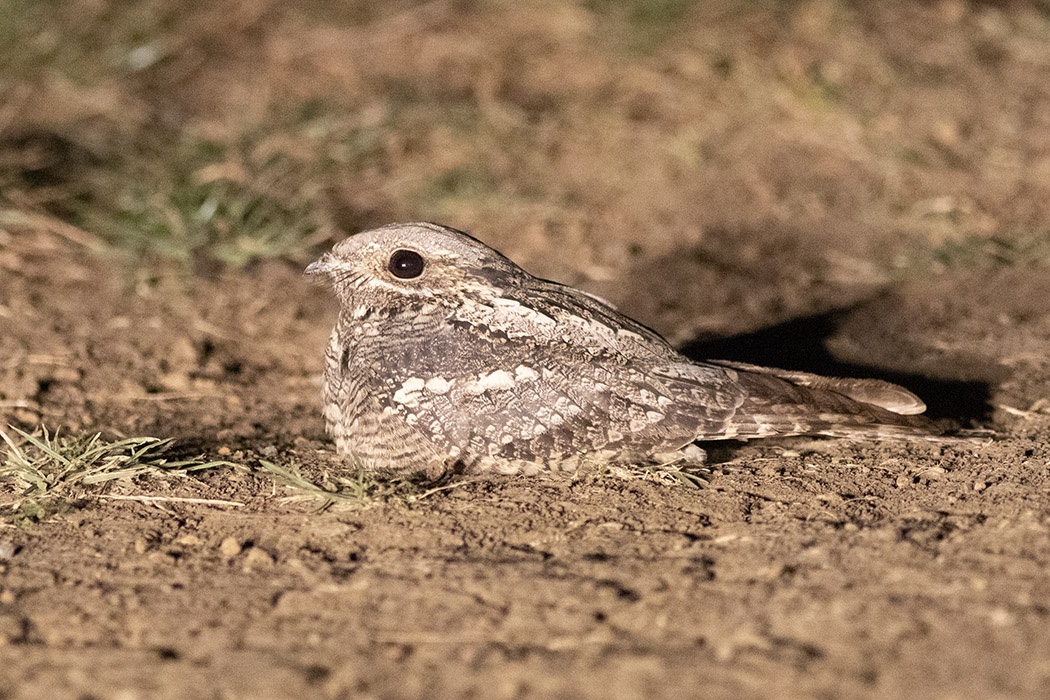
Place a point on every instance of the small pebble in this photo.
(979, 486)
(188, 540)
(141, 546)
(65, 374)
(7, 597)
(230, 547)
(7, 550)
(934, 473)
(257, 557)
(1001, 617)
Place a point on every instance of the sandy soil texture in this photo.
(820, 185)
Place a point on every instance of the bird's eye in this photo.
(406, 264)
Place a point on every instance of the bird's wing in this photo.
(516, 400)
(550, 313)
(519, 398)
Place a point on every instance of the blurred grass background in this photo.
(857, 138)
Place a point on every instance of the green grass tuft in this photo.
(211, 202)
(994, 251)
(51, 468)
(649, 23)
(982, 253)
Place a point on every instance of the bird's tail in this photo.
(783, 402)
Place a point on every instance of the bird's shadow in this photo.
(801, 344)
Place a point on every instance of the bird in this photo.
(448, 358)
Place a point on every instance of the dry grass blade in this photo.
(175, 499)
(689, 476)
(12, 217)
(361, 488)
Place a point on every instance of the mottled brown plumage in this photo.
(449, 357)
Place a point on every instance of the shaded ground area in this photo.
(824, 186)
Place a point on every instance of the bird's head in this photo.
(410, 264)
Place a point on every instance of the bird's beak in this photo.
(321, 266)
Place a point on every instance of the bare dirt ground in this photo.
(821, 185)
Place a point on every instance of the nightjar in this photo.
(448, 357)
